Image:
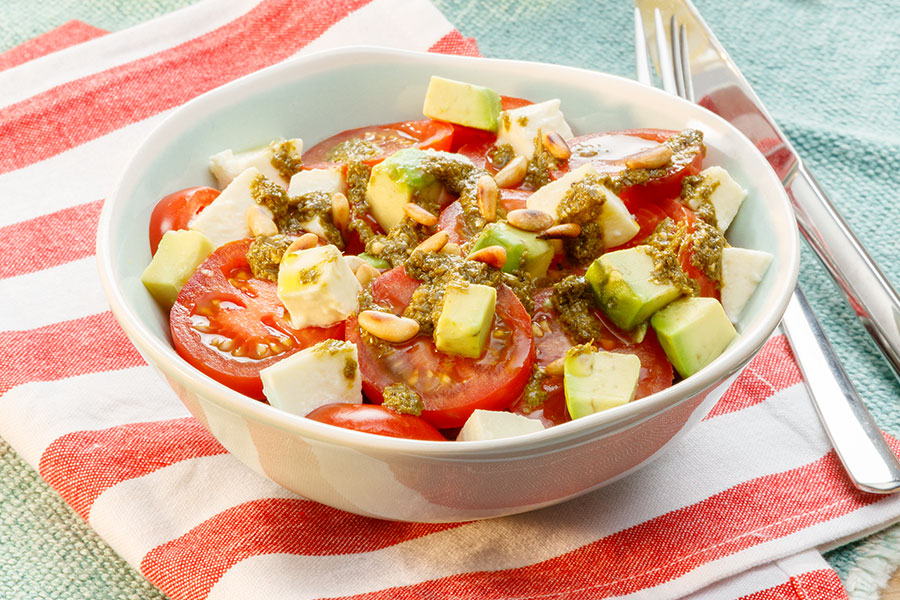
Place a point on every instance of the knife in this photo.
(720, 87)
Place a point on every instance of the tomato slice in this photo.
(656, 370)
(451, 387)
(374, 418)
(230, 325)
(389, 138)
(176, 210)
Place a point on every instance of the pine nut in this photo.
(563, 230)
(354, 262)
(529, 219)
(377, 247)
(557, 367)
(434, 243)
(340, 210)
(487, 194)
(556, 145)
(652, 158)
(366, 274)
(304, 242)
(451, 248)
(419, 215)
(494, 256)
(513, 173)
(387, 326)
(258, 222)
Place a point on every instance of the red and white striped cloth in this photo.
(736, 509)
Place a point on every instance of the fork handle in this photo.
(868, 460)
(871, 296)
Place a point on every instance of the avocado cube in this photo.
(179, 254)
(462, 103)
(397, 180)
(523, 248)
(623, 283)
(466, 317)
(598, 380)
(693, 332)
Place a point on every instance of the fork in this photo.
(871, 465)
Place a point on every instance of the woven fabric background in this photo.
(826, 70)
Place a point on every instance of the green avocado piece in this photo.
(179, 254)
(375, 261)
(397, 180)
(623, 283)
(693, 332)
(466, 317)
(523, 248)
(462, 103)
(598, 380)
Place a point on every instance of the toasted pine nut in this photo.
(340, 210)
(652, 158)
(366, 274)
(487, 194)
(529, 219)
(387, 326)
(434, 243)
(557, 367)
(419, 214)
(354, 262)
(304, 242)
(556, 145)
(377, 247)
(492, 255)
(563, 230)
(451, 248)
(258, 222)
(513, 173)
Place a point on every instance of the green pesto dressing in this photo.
(292, 213)
(573, 299)
(402, 399)
(286, 159)
(264, 255)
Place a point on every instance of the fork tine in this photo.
(640, 50)
(677, 55)
(685, 60)
(666, 68)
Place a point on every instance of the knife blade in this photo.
(720, 87)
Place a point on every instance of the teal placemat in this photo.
(826, 70)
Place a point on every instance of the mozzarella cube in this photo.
(329, 181)
(317, 287)
(519, 126)
(326, 373)
(495, 424)
(618, 224)
(742, 270)
(726, 195)
(227, 165)
(225, 219)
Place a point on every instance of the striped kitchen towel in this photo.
(738, 508)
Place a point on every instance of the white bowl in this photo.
(318, 95)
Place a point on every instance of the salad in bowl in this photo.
(451, 300)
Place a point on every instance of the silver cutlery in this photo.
(868, 460)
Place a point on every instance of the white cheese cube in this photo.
(225, 219)
(726, 196)
(329, 181)
(227, 165)
(618, 224)
(326, 373)
(495, 424)
(742, 270)
(317, 287)
(519, 126)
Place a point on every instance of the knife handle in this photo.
(868, 460)
(870, 294)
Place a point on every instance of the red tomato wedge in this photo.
(389, 138)
(656, 370)
(176, 210)
(451, 386)
(374, 418)
(230, 325)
